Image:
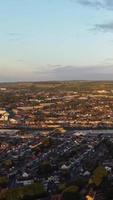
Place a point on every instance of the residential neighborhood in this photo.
(57, 106)
(56, 143)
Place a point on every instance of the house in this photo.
(4, 115)
(13, 121)
(24, 180)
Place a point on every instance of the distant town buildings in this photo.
(57, 141)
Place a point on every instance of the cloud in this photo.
(20, 60)
(13, 36)
(107, 4)
(78, 73)
(108, 60)
(54, 65)
(91, 3)
(97, 72)
(104, 27)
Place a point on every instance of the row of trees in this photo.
(33, 192)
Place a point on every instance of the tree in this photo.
(98, 175)
(32, 191)
(4, 182)
(45, 168)
(72, 193)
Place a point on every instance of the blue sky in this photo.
(41, 39)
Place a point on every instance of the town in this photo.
(53, 105)
(56, 140)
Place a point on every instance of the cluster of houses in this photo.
(62, 157)
(49, 110)
(39, 141)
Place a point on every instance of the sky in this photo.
(56, 40)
